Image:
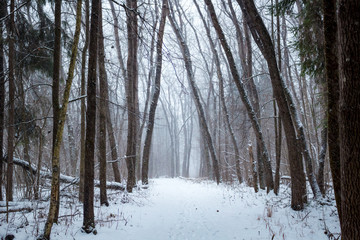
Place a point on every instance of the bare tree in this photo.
(243, 94)
(89, 221)
(102, 111)
(55, 183)
(190, 75)
(131, 89)
(83, 106)
(156, 93)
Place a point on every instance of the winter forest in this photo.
(179, 119)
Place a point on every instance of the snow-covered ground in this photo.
(184, 209)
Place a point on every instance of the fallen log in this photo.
(63, 178)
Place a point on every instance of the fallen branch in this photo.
(63, 178)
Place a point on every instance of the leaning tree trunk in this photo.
(88, 220)
(243, 94)
(349, 121)
(332, 79)
(131, 95)
(263, 40)
(286, 104)
(155, 97)
(190, 75)
(55, 183)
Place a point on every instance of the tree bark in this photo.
(55, 183)
(155, 97)
(190, 75)
(349, 121)
(332, 79)
(2, 91)
(253, 168)
(89, 221)
(102, 110)
(131, 95)
(11, 110)
(83, 106)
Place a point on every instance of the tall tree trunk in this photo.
(349, 121)
(263, 40)
(11, 110)
(131, 96)
(190, 75)
(155, 97)
(83, 106)
(55, 182)
(321, 159)
(332, 79)
(2, 91)
(102, 110)
(243, 94)
(88, 221)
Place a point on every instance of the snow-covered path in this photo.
(184, 209)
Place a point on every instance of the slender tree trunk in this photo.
(243, 94)
(102, 110)
(2, 91)
(321, 159)
(222, 98)
(333, 87)
(11, 110)
(55, 182)
(190, 75)
(89, 221)
(253, 168)
(83, 106)
(155, 97)
(263, 40)
(131, 96)
(349, 121)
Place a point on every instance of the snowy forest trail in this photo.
(186, 209)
